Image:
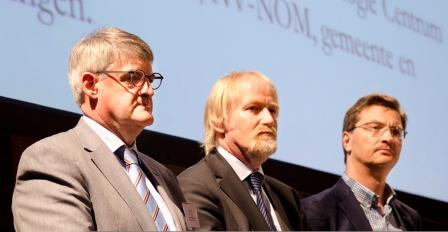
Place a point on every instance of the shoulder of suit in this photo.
(323, 197)
(58, 154)
(197, 170)
(57, 142)
(273, 182)
(404, 207)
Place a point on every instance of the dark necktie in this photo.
(139, 180)
(256, 183)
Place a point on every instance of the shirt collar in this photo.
(239, 167)
(364, 195)
(110, 139)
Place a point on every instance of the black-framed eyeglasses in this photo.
(138, 77)
(378, 129)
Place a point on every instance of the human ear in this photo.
(346, 142)
(218, 126)
(89, 87)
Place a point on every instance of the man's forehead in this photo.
(124, 61)
(378, 112)
(243, 99)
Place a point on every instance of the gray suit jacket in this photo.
(224, 203)
(337, 208)
(71, 181)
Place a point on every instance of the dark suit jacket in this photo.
(336, 208)
(224, 203)
(73, 182)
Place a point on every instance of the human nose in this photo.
(267, 117)
(146, 88)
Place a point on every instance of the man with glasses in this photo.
(373, 133)
(93, 177)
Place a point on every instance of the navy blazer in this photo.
(336, 208)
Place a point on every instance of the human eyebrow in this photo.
(374, 123)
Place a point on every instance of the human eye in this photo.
(138, 76)
(253, 108)
(273, 110)
(376, 126)
(150, 78)
(129, 77)
(396, 131)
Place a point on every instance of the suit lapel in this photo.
(110, 167)
(276, 204)
(404, 219)
(236, 191)
(351, 208)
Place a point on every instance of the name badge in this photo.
(191, 215)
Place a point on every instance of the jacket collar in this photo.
(232, 186)
(108, 164)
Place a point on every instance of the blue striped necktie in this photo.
(139, 180)
(256, 183)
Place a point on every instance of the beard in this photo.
(262, 146)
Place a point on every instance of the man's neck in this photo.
(127, 134)
(382, 192)
(376, 182)
(238, 152)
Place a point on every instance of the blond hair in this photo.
(223, 95)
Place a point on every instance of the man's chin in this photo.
(144, 120)
(264, 149)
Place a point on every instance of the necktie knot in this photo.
(256, 181)
(127, 155)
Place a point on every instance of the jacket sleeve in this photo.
(50, 192)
